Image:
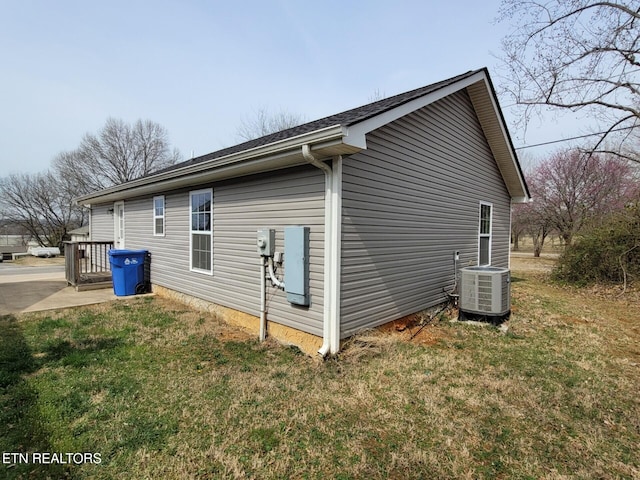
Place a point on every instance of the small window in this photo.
(201, 230)
(484, 234)
(158, 216)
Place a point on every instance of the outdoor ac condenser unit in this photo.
(485, 291)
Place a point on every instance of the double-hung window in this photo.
(158, 216)
(484, 234)
(201, 235)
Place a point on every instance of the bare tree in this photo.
(579, 190)
(577, 55)
(262, 123)
(519, 225)
(573, 191)
(376, 96)
(531, 219)
(118, 153)
(42, 204)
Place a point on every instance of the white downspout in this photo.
(328, 224)
(332, 243)
(336, 244)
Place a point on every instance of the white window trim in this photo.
(200, 232)
(156, 217)
(484, 235)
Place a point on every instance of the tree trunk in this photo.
(537, 248)
(538, 241)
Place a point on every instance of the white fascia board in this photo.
(356, 134)
(249, 161)
(232, 170)
(505, 134)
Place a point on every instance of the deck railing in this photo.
(87, 262)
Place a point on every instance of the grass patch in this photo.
(163, 392)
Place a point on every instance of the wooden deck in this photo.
(87, 264)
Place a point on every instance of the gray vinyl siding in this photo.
(409, 201)
(101, 223)
(240, 208)
(101, 230)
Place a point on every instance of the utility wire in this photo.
(574, 138)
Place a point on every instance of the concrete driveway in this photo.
(35, 288)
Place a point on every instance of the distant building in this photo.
(80, 234)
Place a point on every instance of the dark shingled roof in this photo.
(349, 117)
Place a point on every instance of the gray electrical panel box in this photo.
(296, 268)
(266, 240)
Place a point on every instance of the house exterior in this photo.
(389, 192)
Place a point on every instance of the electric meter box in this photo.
(266, 240)
(296, 269)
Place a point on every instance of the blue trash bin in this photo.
(127, 270)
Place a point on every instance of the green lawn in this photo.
(159, 391)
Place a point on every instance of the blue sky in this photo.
(199, 67)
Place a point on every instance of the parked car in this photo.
(47, 252)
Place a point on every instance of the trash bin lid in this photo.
(123, 252)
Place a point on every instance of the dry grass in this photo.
(552, 245)
(164, 392)
(32, 261)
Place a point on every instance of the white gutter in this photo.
(330, 330)
(254, 160)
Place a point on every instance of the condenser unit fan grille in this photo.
(485, 291)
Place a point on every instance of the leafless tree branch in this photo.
(118, 153)
(262, 122)
(574, 55)
(44, 204)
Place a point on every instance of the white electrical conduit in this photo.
(272, 274)
(263, 300)
(263, 293)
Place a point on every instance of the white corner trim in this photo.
(336, 254)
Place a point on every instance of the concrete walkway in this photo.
(32, 289)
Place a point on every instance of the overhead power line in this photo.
(574, 138)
